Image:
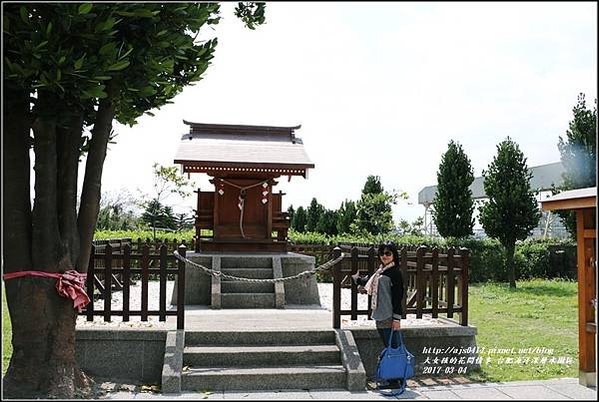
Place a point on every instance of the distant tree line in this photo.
(371, 214)
(120, 212)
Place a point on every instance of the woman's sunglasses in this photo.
(386, 253)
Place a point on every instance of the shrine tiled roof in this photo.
(220, 144)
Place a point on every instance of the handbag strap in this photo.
(396, 392)
(391, 338)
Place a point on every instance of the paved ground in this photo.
(564, 389)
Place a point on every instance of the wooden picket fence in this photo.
(106, 263)
(434, 282)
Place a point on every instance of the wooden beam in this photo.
(589, 233)
(575, 203)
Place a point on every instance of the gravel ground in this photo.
(326, 300)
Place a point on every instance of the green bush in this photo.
(487, 259)
(548, 258)
(186, 235)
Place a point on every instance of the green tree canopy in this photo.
(453, 203)
(327, 223)
(374, 213)
(298, 223)
(167, 181)
(373, 185)
(415, 228)
(579, 155)
(290, 212)
(157, 215)
(315, 210)
(346, 215)
(512, 210)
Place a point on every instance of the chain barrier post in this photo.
(337, 290)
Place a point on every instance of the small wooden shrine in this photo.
(242, 213)
(584, 202)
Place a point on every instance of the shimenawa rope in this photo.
(208, 271)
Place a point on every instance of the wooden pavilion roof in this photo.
(209, 148)
(572, 199)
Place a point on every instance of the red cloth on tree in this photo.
(70, 284)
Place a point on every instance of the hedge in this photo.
(549, 258)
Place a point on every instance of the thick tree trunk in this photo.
(509, 259)
(43, 328)
(92, 184)
(16, 193)
(46, 234)
(43, 323)
(69, 141)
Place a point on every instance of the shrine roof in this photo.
(242, 144)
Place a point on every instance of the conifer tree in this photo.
(374, 213)
(346, 215)
(579, 155)
(453, 203)
(315, 210)
(298, 223)
(512, 211)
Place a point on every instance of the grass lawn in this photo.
(538, 313)
(6, 335)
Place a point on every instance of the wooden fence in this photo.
(434, 282)
(107, 262)
(322, 253)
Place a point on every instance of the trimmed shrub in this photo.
(546, 259)
(549, 258)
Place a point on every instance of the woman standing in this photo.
(386, 288)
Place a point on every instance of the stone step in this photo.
(262, 378)
(252, 273)
(260, 356)
(247, 300)
(271, 338)
(246, 287)
(246, 262)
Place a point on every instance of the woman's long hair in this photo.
(391, 247)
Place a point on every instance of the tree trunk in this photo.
(16, 192)
(43, 339)
(43, 323)
(92, 184)
(46, 234)
(509, 260)
(69, 141)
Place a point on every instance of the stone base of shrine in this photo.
(203, 288)
(241, 245)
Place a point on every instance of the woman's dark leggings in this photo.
(384, 333)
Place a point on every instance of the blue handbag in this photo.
(396, 363)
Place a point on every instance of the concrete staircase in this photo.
(241, 294)
(264, 360)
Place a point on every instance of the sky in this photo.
(380, 89)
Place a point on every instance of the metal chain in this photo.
(327, 265)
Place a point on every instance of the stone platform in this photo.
(207, 290)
